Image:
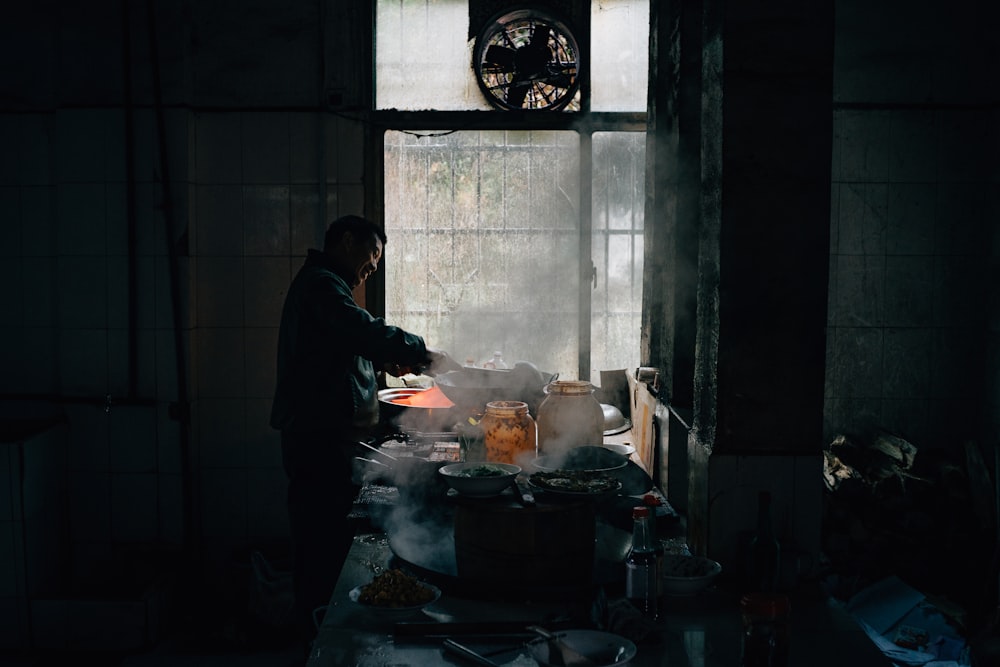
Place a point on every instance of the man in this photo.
(326, 397)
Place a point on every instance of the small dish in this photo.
(406, 610)
(685, 575)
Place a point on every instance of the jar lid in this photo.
(765, 604)
(569, 387)
(506, 407)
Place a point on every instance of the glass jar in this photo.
(765, 630)
(509, 433)
(569, 416)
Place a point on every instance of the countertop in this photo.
(701, 630)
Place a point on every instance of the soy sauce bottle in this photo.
(642, 566)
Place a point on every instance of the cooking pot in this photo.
(473, 388)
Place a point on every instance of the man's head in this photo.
(355, 244)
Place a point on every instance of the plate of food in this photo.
(394, 592)
(575, 483)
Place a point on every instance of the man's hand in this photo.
(439, 362)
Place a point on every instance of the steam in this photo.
(423, 536)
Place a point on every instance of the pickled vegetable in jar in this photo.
(509, 433)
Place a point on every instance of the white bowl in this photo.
(463, 478)
(683, 575)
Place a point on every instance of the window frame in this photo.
(584, 122)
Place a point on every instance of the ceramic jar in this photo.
(509, 432)
(569, 416)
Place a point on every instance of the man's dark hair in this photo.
(360, 227)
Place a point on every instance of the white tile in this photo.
(133, 507)
(118, 362)
(306, 224)
(9, 483)
(116, 218)
(219, 286)
(34, 149)
(89, 437)
(81, 219)
(267, 507)
(219, 228)
(8, 559)
(169, 460)
(10, 215)
(79, 146)
(37, 221)
(133, 438)
(223, 506)
(90, 506)
(221, 431)
(83, 362)
(82, 297)
(13, 625)
(266, 282)
(218, 148)
(266, 210)
(171, 525)
(10, 129)
(303, 131)
(266, 151)
(12, 303)
(221, 363)
(38, 371)
(261, 352)
(263, 443)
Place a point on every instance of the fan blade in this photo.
(540, 37)
(516, 94)
(500, 56)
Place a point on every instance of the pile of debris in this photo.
(928, 517)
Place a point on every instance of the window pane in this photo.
(618, 210)
(619, 59)
(483, 250)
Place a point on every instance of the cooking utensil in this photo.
(560, 653)
(377, 451)
(468, 653)
(522, 491)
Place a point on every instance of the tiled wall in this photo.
(913, 219)
(247, 206)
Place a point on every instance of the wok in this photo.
(475, 387)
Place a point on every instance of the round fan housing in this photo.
(527, 58)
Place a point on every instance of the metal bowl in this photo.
(592, 458)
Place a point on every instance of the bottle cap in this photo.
(640, 512)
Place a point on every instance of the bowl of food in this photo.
(482, 478)
(394, 592)
(684, 575)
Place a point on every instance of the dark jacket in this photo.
(326, 345)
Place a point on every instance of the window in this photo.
(522, 235)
